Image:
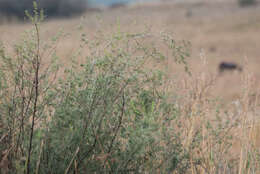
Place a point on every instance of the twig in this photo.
(36, 86)
(71, 162)
(39, 159)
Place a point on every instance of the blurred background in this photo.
(59, 7)
(220, 30)
(16, 8)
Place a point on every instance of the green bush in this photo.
(106, 115)
(24, 91)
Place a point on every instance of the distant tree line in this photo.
(50, 7)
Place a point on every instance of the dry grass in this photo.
(223, 31)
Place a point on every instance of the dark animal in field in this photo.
(213, 49)
(188, 13)
(229, 66)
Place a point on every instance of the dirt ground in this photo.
(218, 30)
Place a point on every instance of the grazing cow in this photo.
(229, 66)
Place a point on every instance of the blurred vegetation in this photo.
(51, 7)
(243, 3)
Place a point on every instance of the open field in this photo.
(221, 30)
(210, 119)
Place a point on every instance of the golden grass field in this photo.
(218, 31)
